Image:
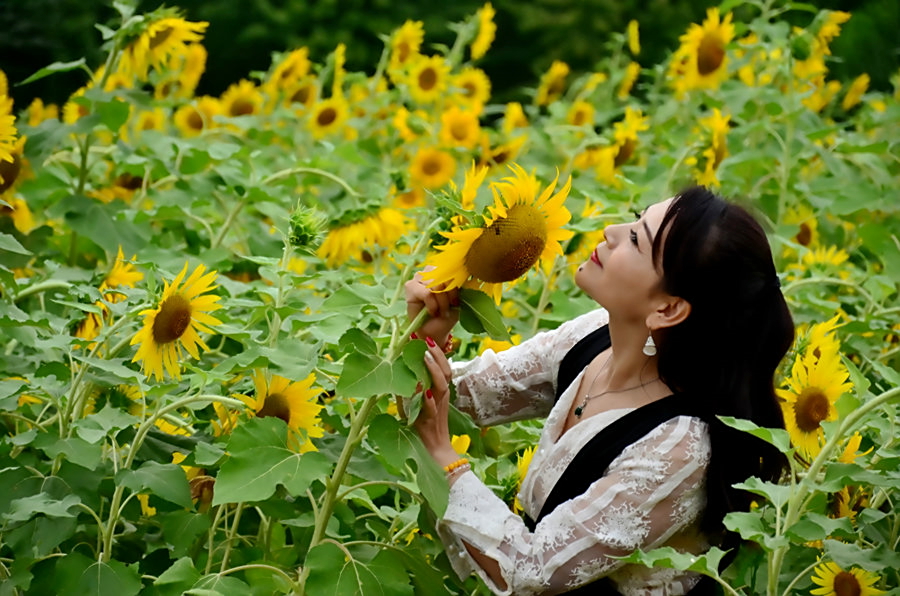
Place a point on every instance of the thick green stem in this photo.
(303, 170)
(229, 539)
(44, 286)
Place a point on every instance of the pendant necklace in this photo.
(580, 409)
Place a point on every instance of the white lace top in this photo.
(651, 495)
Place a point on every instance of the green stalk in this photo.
(304, 170)
(229, 538)
(44, 286)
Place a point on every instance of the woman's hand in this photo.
(431, 423)
(442, 306)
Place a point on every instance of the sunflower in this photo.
(632, 34)
(428, 78)
(474, 178)
(851, 450)
(514, 117)
(553, 83)
(581, 114)
(122, 189)
(339, 58)
(410, 199)
(184, 76)
(175, 322)
(854, 94)
(498, 345)
(522, 228)
(294, 403)
(701, 62)
(18, 210)
(475, 87)
(405, 44)
(487, 29)
(837, 582)
(812, 390)
(289, 70)
(158, 43)
(716, 150)
(8, 134)
(501, 154)
(241, 99)
(193, 118)
(632, 72)
(13, 165)
(625, 134)
(357, 238)
(831, 28)
(328, 116)
(302, 93)
(154, 119)
(807, 225)
(122, 275)
(459, 128)
(821, 339)
(126, 398)
(432, 168)
(821, 95)
(523, 461)
(38, 111)
(826, 255)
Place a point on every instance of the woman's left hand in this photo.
(431, 424)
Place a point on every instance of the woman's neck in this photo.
(628, 364)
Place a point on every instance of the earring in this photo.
(649, 346)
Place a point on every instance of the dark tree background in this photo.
(243, 34)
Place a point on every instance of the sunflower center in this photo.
(811, 408)
(403, 51)
(469, 89)
(173, 319)
(242, 107)
(431, 167)
(276, 405)
(326, 116)
(579, 118)
(459, 130)
(846, 584)
(710, 55)
(804, 236)
(301, 95)
(427, 79)
(500, 157)
(195, 120)
(158, 38)
(9, 171)
(130, 182)
(509, 247)
(626, 150)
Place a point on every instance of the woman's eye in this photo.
(634, 239)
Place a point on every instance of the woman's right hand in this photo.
(442, 306)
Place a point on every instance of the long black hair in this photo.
(715, 255)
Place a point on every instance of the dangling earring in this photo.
(649, 346)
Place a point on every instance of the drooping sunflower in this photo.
(523, 461)
(716, 126)
(161, 40)
(834, 581)
(360, 236)
(13, 165)
(501, 154)
(184, 74)
(18, 210)
(625, 134)
(514, 117)
(127, 398)
(241, 99)
(8, 134)
(487, 29)
(701, 62)
(475, 88)
(290, 69)
(581, 113)
(552, 84)
(122, 275)
(459, 128)
(193, 118)
(429, 77)
(328, 116)
(632, 34)
(854, 94)
(524, 226)
(809, 399)
(295, 403)
(632, 72)
(405, 44)
(432, 168)
(183, 311)
(302, 93)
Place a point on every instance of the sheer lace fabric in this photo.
(652, 495)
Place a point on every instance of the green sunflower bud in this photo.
(801, 46)
(306, 229)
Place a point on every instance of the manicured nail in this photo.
(430, 342)
(429, 394)
(413, 336)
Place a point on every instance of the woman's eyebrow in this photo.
(649, 234)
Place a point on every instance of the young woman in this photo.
(632, 456)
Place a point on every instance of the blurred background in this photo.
(530, 35)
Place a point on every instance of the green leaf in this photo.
(9, 393)
(221, 150)
(40, 504)
(774, 436)
(10, 244)
(222, 585)
(815, 526)
(109, 578)
(113, 113)
(751, 526)
(839, 475)
(364, 376)
(849, 555)
(414, 357)
(668, 557)
(53, 68)
(332, 573)
(879, 147)
(778, 494)
(182, 571)
(76, 450)
(96, 426)
(357, 340)
(166, 481)
(182, 528)
(207, 455)
(261, 460)
(479, 306)
(396, 445)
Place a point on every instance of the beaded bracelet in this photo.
(450, 467)
(448, 345)
(452, 474)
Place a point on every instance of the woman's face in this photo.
(620, 274)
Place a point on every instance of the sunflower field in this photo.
(206, 370)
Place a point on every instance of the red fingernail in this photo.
(413, 336)
(429, 394)
(430, 342)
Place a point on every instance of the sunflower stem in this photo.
(305, 170)
(44, 286)
(229, 538)
(379, 70)
(229, 220)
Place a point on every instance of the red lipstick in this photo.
(595, 258)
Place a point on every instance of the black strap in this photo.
(579, 356)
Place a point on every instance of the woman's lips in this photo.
(596, 259)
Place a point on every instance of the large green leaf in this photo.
(707, 564)
(261, 460)
(333, 573)
(182, 528)
(479, 314)
(365, 375)
(774, 436)
(166, 481)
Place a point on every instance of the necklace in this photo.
(580, 409)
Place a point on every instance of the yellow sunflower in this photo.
(632, 34)
(834, 581)
(701, 62)
(831, 28)
(122, 275)
(581, 114)
(625, 134)
(632, 72)
(193, 118)
(459, 128)
(410, 125)
(806, 223)
(289, 70)
(487, 29)
(851, 450)
(523, 227)
(175, 322)
(358, 238)
(18, 210)
(13, 165)
(854, 94)
(8, 134)
(405, 44)
(514, 117)
(432, 168)
(127, 398)
(500, 154)
(808, 400)
(553, 83)
(429, 77)
(184, 76)
(295, 403)
(38, 111)
(161, 40)
(302, 93)
(328, 116)
(826, 255)
(716, 150)
(821, 339)
(474, 178)
(523, 461)
(475, 88)
(241, 99)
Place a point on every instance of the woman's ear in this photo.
(672, 311)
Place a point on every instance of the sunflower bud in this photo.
(801, 46)
(306, 229)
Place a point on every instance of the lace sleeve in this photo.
(520, 382)
(652, 491)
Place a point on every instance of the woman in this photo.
(692, 326)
